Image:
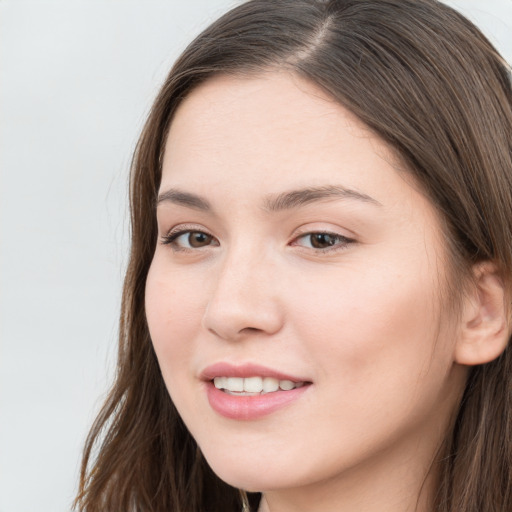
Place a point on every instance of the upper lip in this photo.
(224, 369)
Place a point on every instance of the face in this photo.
(295, 296)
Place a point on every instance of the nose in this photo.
(244, 300)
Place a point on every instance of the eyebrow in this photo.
(273, 203)
(305, 196)
(184, 199)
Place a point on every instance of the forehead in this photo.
(269, 122)
(279, 104)
(274, 132)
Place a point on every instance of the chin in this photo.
(257, 474)
(251, 482)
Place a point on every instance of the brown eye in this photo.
(323, 240)
(188, 239)
(198, 239)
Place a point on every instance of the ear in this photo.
(485, 318)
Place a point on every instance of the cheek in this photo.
(378, 361)
(373, 331)
(173, 312)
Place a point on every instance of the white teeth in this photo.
(254, 385)
(286, 385)
(235, 384)
(270, 384)
(220, 382)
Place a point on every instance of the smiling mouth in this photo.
(254, 386)
(249, 391)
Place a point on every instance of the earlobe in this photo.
(485, 328)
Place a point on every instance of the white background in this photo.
(76, 80)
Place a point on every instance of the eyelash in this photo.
(172, 236)
(342, 241)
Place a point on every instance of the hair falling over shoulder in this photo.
(428, 83)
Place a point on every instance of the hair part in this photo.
(424, 79)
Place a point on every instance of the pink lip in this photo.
(248, 407)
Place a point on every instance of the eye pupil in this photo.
(322, 240)
(198, 239)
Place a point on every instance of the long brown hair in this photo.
(428, 83)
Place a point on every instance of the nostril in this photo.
(233, 317)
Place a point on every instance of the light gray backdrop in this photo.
(76, 80)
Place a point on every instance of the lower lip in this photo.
(250, 407)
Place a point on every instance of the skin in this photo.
(365, 321)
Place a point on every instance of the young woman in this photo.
(316, 312)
